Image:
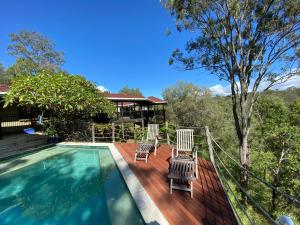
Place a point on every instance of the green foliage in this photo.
(60, 94)
(288, 96)
(4, 77)
(122, 133)
(281, 138)
(22, 67)
(131, 91)
(295, 113)
(2, 70)
(192, 106)
(50, 128)
(276, 157)
(188, 105)
(33, 53)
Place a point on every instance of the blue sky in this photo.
(113, 43)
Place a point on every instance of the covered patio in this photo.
(149, 109)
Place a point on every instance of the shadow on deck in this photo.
(209, 205)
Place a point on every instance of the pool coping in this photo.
(148, 209)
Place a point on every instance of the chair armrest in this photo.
(195, 153)
(173, 149)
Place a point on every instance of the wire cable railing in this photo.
(220, 167)
(287, 196)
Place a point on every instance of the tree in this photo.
(281, 144)
(188, 105)
(3, 77)
(295, 113)
(247, 43)
(131, 91)
(2, 70)
(33, 53)
(62, 96)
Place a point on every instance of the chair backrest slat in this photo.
(152, 131)
(185, 139)
(182, 168)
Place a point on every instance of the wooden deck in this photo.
(209, 205)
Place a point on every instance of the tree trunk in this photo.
(276, 182)
(274, 193)
(245, 161)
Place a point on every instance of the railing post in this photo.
(143, 126)
(168, 137)
(93, 132)
(123, 134)
(113, 132)
(211, 154)
(134, 134)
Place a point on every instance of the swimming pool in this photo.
(65, 185)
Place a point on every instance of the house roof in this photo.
(128, 98)
(156, 100)
(115, 96)
(4, 88)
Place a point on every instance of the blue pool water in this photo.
(74, 185)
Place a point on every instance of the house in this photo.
(135, 107)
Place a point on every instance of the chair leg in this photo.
(155, 148)
(171, 185)
(135, 157)
(191, 189)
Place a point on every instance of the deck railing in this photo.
(229, 182)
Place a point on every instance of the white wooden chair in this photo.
(152, 135)
(143, 150)
(185, 148)
(182, 175)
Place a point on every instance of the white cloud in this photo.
(225, 90)
(220, 90)
(102, 88)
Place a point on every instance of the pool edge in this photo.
(148, 209)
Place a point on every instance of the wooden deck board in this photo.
(209, 205)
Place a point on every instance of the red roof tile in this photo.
(4, 88)
(129, 97)
(156, 100)
(113, 95)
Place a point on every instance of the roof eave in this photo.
(127, 99)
